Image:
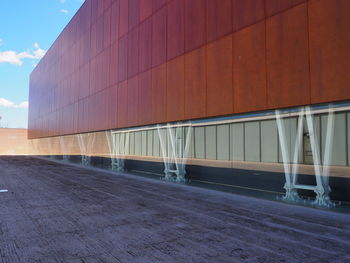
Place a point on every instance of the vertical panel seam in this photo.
(308, 46)
(266, 56)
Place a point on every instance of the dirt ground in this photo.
(60, 213)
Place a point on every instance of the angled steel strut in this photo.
(175, 147)
(322, 188)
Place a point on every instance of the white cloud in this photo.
(62, 1)
(9, 104)
(12, 57)
(23, 105)
(1, 42)
(64, 11)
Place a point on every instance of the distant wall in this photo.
(14, 142)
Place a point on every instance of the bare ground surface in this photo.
(63, 213)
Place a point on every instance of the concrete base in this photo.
(62, 213)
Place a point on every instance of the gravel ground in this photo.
(61, 213)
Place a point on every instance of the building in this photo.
(250, 94)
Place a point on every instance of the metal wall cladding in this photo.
(219, 77)
(195, 84)
(175, 93)
(123, 63)
(249, 68)
(145, 98)
(329, 50)
(176, 29)
(288, 74)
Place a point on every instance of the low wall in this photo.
(14, 142)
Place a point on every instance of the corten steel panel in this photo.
(329, 23)
(100, 8)
(104, 105)
(176, 89)
(76, 118)
(92, 76)
(133, 52)
(219, 77)
(93, 41)
(195, 23)
(79, 26)
(115, 21)
(146, 7)
(247, 12)
(107, 3)
(92, 112)
(288, 58)
(113, 66)
(69, 93)
(159, 94)
(133, 94)
(91, 119)
(176, 28)
(219, 20)
(159, 37)
(74, 76)
(296, 2)
(122, 104)
(107, 28)
(80, 116)
(145, 98)
(113, 107)
(85, 18)
(99, 34)
(105, 67)
(122, 59)
(99, 72)
(123, 17)
(158, 4)
(145, 45)
(134, 13)
(85, 48)
(76, 88)
(81, 109)
(105, 95)
(275, 6)
(71, 119)
(84, 81)
(195, 84)
(95, 111)
(249, 68)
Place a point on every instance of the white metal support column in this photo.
(290, 169)
(176, 154)
(50, 148)
(321, 188)
(86, 142)
(111, 147)
(65, 157)
(119, 146)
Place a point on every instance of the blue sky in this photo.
(27, 30)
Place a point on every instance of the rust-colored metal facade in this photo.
(124, 63)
